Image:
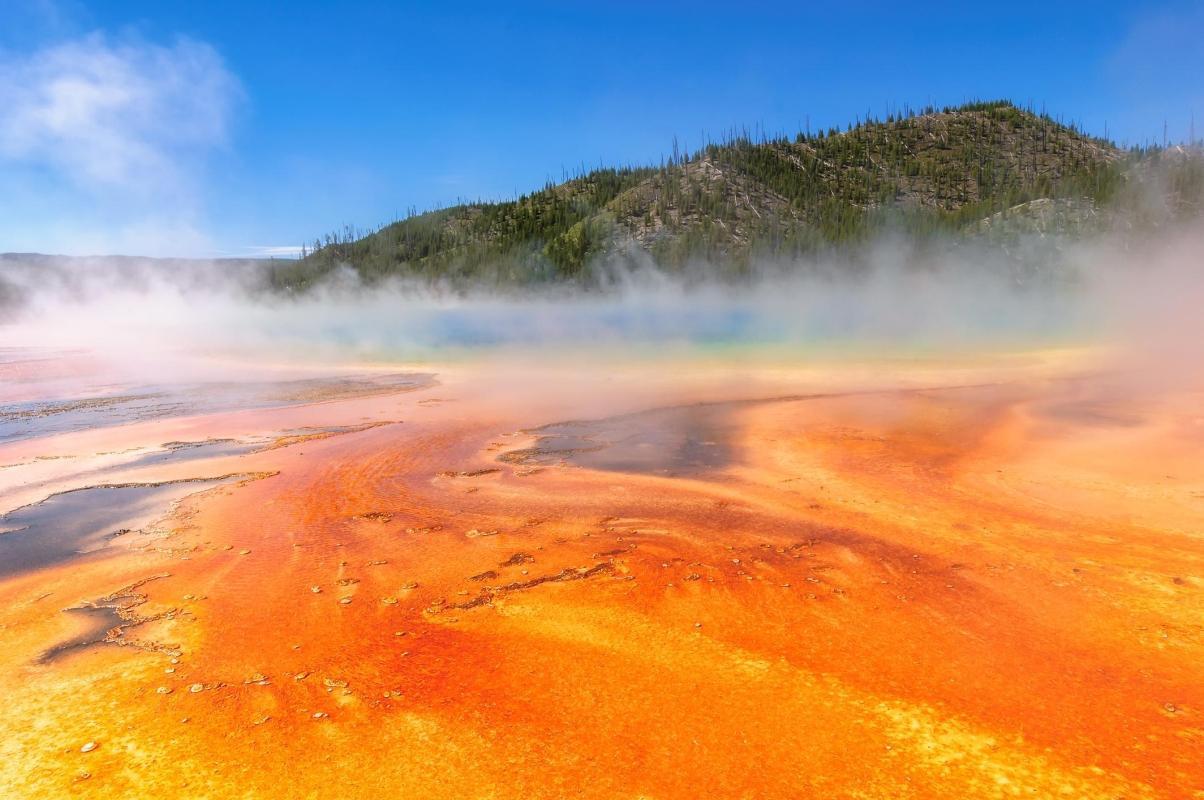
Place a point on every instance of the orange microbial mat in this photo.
(961, 577)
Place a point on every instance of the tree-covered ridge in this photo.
(778, 198)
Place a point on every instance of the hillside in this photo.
(979, 169)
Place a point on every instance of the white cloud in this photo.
(118, 129)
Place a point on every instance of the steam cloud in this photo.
(1142, 301)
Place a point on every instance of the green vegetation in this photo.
(979, 168)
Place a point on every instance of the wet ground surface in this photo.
(83, 521)
(683, 441)
(99, 621)
(178, 452)
(22, 420)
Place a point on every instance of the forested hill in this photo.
(975, 169)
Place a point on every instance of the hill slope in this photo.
(959, 170)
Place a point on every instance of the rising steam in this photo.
(1142, 299)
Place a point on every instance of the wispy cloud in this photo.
(118, 129)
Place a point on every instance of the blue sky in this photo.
(219, 128)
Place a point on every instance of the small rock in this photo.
(316, 589)
(334, 683)
(344, 601)
(244, 552)
(262, 718)
(196, 688)
(89, 747)
(320, 715)
(389, 601)
(300, 676)
(163, 690)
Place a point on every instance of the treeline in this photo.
(923, 172)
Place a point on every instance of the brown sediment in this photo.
(472, 473)
(51, 408)
(321, 390)
(489, 593)
(375, 516)
(981, 588)
(315, 435)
